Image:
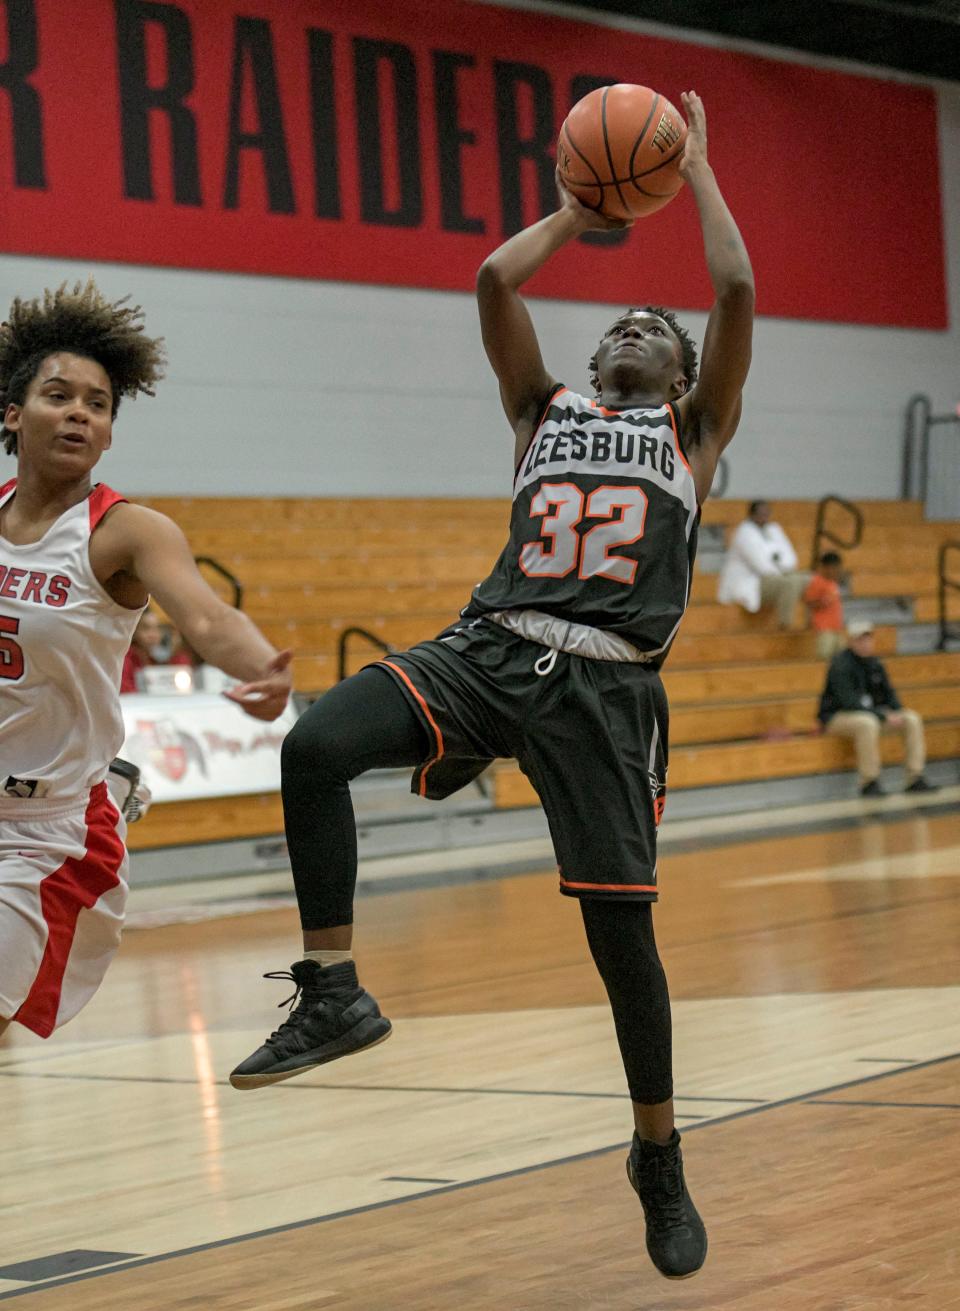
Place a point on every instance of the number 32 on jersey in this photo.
(562, 507)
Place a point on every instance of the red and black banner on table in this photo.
(400, 143)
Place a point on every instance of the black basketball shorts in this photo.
(590, 735)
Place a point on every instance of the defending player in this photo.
(554, 662)
(77, 565)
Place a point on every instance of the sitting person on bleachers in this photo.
(152, 644)
(858, 702)
(760, 567)
(822, 599)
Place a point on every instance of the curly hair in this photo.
(83, 322)
(688, 348)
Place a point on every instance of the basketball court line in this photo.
(287, 1087)
(926, 1106)
(814, 1096)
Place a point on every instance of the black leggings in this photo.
(366, 723)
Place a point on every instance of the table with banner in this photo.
(200, 749)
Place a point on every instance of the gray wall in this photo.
(281, 387)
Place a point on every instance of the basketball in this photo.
(619, 151)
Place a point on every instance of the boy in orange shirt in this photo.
(822, 598)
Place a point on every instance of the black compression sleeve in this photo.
(363, 723)
(622, 943)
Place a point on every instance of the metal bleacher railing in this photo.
(822, 533)
(721, 479)
(344, 641)
(236, 587)
(918, 420)
(945, 584)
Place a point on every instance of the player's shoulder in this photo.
(134, 523)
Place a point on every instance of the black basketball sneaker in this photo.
(332, 1016)
(676, 1237)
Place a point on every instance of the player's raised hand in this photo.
(266, 697)
(589, 219)
(695, 150)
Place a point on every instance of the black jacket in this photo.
(856, 683)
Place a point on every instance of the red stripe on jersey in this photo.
(63, 894)
(8, 486)
(100, 500)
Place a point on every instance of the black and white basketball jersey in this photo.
(603, 529)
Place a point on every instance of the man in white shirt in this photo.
(760, 567)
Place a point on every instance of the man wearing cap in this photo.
(859, 701)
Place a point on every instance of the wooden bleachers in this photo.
(743, 694)
(703, 766)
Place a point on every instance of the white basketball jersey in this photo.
(62, 643)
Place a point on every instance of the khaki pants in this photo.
(783, 591)
(864, 728)
(829, 642)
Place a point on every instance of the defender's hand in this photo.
(589, 220)
(695, 150)
(267, 697)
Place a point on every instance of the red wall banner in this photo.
(400, 143)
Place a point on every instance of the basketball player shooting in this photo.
(77, 567)
(554, 662)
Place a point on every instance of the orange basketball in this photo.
(620, 149)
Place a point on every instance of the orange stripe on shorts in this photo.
(430, 720)
(611, 887)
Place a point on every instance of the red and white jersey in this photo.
(62, 643)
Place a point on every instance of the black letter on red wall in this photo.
(368, 55)
(137, 99)
(451, 138)
(514, 148)
(25, 109)
(253, 42)
(581, 86)
(323, 122)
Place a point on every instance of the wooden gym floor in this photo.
(476, 1160)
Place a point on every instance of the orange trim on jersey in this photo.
(610, 414)
(611, 887)
(539, 424)
(676, 437)
(100, 500)
(430, 720)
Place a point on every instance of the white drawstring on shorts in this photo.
(545, 664)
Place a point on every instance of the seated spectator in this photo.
(822, 599)
(152, 644)
(859, 702)
(760, 567)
